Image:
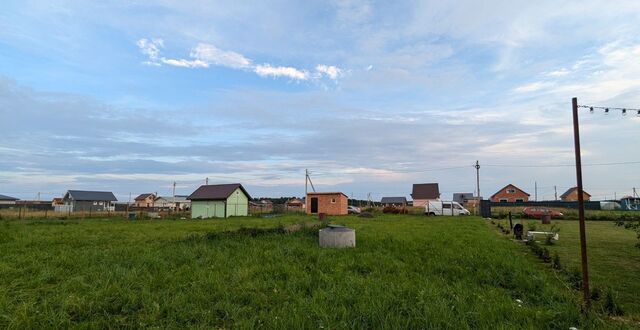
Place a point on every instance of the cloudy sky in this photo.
(130, 96)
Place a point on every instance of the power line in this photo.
(607, 109)
(562, 165)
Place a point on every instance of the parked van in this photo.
(445, 208)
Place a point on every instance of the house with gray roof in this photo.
(394, 201)
(176, 203)
(88, 201)
(7, 200)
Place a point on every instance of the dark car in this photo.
(539, 212)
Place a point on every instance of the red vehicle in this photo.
(539, 212)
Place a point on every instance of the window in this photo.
(95, 203)
(446, 206)
(333, 201)
(100, 203)
(457, 207)
(511, 191)
(503, 200)
(519, 200)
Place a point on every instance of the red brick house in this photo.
(510, 194)
(330, 203)
(571, 195)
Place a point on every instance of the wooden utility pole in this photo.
(478, 179)
(583, 237)
(555, 192)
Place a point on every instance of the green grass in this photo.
(614, 261)
(406, 272)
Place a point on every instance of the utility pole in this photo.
(174, 196)
(478, 179)
(583, 237)
(206, 181)
(555, 190)
(634, 193)
(306, 181)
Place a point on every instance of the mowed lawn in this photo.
(406, 272)
(614, 260)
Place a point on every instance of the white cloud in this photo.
(206, 55)
(210, 54)
(330, 71)
(533, 87)
(559, 73)
(266, 70)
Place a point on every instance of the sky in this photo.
(370, 97)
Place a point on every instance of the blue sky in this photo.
(370, 96)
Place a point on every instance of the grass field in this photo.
(406, 272)
(614, 261)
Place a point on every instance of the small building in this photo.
(294, 204)
(144, 200)
(330, 203)
(87, 201)
(394, 201)
(571, 195)
(630, 203)
(261, 206)
(7, 200)
(175, 203)
(462, 198)
(424, 192)
(219, 201)
(57, 201)
(510, 194)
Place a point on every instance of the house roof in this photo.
(507, 186)
(570, 190)
(84, 195)
(393, 200)
(7, 198)
(425, 191)
(295, 201)
(142, 197)
(177, 198)
(328, 193)
(216, 192)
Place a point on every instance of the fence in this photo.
(588, 205)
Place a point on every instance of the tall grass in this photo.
(406, 272)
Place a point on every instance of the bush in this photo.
(546, 255)
(575, 279)
(596, 294)
(531, 226)
(548, 240)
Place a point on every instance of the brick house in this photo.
(571, 195)
(424, 192)
(510, 194)
(330, 203)
(145, 200)
(294, 204)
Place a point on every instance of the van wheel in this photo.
(431, 214)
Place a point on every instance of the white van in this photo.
(445, 208)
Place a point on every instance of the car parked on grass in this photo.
(539, 212)
(353, 210)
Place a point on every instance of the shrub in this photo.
(596, 294)
(531, 226)
(548, 240)
(390, 210)
(546, 255)
(575, 279)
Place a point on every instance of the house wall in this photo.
(573, 196)
(237, 204)
(422, 202)
(147, 202)
(325, 205)
(207, 209)
(88, 206)
(8, 202)
(510, 197)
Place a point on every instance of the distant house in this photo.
(510, 194)
(425, 192)
(219, 201)
(175, 203)
(57, 201)
(571, 195)
(7, 200)
(145, 200)
(394, 201)
(262, 206)
(294, 204)
(87, 201)
(462, 197)
(330, 203)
